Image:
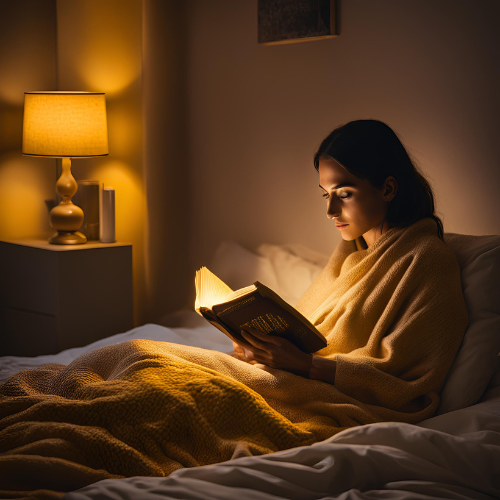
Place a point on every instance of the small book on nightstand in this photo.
(255, 306)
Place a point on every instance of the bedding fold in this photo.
(394, 317)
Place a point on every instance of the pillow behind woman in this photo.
(477, 358)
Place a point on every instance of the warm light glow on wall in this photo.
(24, 185)
(104, 35)
(102, 68)
(71, 124)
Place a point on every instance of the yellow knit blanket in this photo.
(394, 317)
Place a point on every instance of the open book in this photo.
(255, 306)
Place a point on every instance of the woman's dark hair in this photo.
(370, 149)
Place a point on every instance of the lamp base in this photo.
(68, 238)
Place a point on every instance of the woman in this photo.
(389, 303)
(370, 185)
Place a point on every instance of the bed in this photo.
(454, 455)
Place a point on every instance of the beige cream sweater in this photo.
(394, 316)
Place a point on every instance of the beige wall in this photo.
(428, 68)
(27, 62)
(212, 135)
(99, 48)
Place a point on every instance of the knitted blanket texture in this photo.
(394, 317)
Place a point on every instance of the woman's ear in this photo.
(390, 188)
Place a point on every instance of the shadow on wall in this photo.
(27, 62)
(166, 157)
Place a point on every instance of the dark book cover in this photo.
(265, 311)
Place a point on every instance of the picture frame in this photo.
(292, 21)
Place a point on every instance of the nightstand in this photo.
(53, 297)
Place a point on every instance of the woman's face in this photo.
(355, 202)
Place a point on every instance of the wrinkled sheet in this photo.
(195, 331)
(452, 456)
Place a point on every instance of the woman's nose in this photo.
(331, 210)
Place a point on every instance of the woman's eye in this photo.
(347, 195)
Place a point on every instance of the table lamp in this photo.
(65, 125)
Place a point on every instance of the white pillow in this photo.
(477, 359)
(239, 267)
(307, 254)
(281, 268)
(294, 274)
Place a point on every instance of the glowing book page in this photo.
(211, 290)
(255, 306)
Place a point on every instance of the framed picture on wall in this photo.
(290, 21)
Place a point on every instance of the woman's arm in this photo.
(323, 369)
(279, 353)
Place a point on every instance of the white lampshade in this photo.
(65, 124)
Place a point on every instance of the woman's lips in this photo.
(342, 226)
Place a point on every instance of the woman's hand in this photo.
(272, 351)
(240, 353)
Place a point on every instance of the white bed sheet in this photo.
(196, 332)
(452, 456)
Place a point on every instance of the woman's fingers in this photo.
(238, 349)
(246, 345)
(256, 347)
(248, 352)
(242, 353)
(269, 339)
(255, 343)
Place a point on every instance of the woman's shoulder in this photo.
(435, 255)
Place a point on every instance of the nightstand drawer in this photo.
(25, 333)
(55, 297)
(29, 278)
